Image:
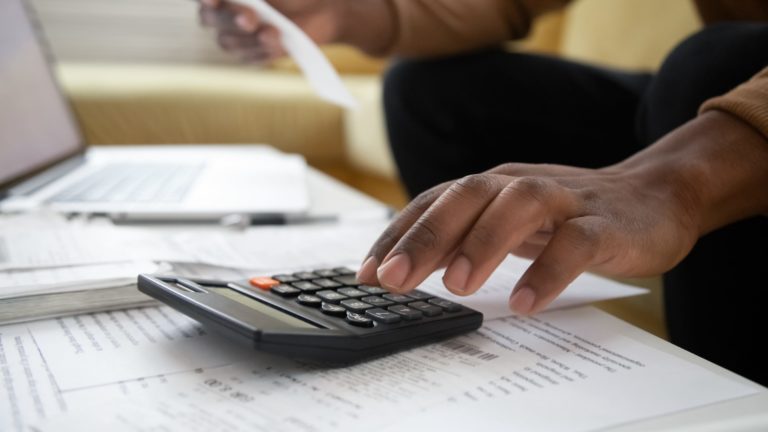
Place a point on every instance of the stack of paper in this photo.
(155, 369)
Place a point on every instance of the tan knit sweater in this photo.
(434, 27)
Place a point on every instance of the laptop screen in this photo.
(36, 126)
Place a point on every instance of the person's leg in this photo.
(715, 299)
(451, 117)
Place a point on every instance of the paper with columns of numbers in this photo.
(29, 392)
(108, 347)
(570, 370)
(316, 68)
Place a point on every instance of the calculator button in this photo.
(349, 280)
(446, 304)
(352, 292)
(372, 290)
(305, 275)
(377, 301)
(284, 278)
(406, 312)
(343, 271)
(326, 273)
(398, 298)
(428, 309)
(306, 286)
(264, 282)
(382, 315)
(332, 309)
(355, 305)
(359, 320)
(285, 290)
(309, 300)
(331, 296)
(326, 283)
(419, 295)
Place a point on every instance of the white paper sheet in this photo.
(27, 388)
(110, 347)
(570, 370)
(55, 247)
(71, 278)
(29, 392)
(279, 247)
(97, 349)
(492, 299)
(316, 68)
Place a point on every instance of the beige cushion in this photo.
(146, 104)
(635, 34)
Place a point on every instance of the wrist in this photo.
(369, 25)
(714, 169)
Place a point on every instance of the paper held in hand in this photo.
(316, 68)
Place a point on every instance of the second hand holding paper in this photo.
(316, 68)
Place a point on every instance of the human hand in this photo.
(241, 32)
(621, 221)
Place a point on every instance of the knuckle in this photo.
(508, 168)
(584, 238)
(484, 237)
(472, 184)
(423, 200)
(384, 243)
(531, 188)
(423, 235)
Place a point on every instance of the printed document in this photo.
(104, 348)
(567, 370)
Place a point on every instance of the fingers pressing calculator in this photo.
(324, 315)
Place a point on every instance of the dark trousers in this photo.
(455, 116)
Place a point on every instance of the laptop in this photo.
(45, 164)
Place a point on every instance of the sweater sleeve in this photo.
(438, 27)
(749, 102)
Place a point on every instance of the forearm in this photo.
(437, 27)
(716, 166)
(370, 25)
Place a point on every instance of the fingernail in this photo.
(522, 300)
(367, 272)
(244, 23)
(455, 277)
(393, 272)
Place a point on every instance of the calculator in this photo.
(324, 315)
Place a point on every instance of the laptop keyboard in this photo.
(133, 182)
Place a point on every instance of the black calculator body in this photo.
(321, 315)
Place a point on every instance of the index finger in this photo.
(396, 229)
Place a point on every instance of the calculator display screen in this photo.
(261, 308)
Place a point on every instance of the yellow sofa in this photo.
(136, 103)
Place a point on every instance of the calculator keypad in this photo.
(331, 296)
(359, 320)
(336, 292)
(285, 290)
(333, 309)
(310, 300)
(355, 305)
(382, 315)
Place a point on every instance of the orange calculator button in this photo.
(263, 282)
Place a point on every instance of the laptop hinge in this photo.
(46, 177)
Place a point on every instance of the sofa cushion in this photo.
(151, 103)
(634, 34)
